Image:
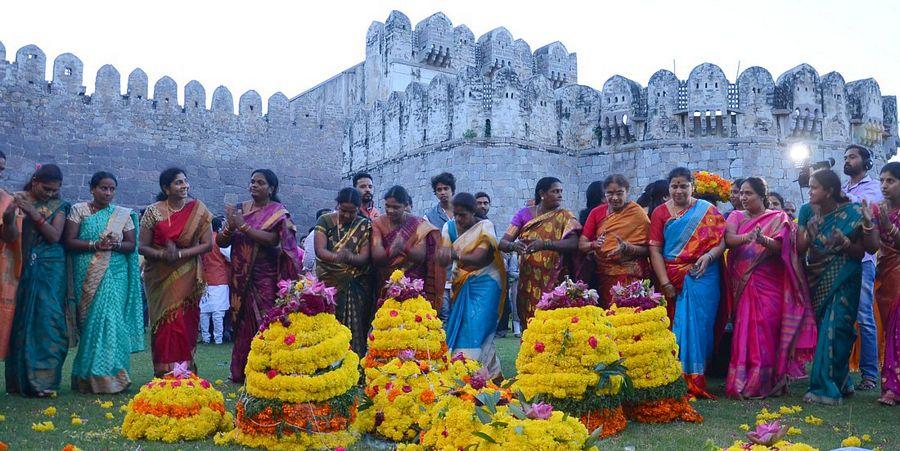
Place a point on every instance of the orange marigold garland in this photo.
(708, 185)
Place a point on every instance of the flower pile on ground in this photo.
(490, 418)
(774, 430)
(569, 359)
(406, 366)
(301, 388)
(179, 406)
(711, 186)
(658, 393)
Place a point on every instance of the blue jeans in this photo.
(444, 314)
(865, 317)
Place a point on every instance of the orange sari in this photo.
(10, 270)
(632, 225)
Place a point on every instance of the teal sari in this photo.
(110, 317)
(40, 335)
(834, 283)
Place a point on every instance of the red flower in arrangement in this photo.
(407, 389)
(371, 337)
(379, 418)
(204, 383)
(538, 346)
(290, 339)
(418, 319)
(574, 319)
(394, 313)
(272, 374)
(176, 383)
(592, 342)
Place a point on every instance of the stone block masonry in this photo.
(431, 98)
(138, 134)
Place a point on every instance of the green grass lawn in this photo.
(859, 415)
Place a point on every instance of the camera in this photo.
(807, 169)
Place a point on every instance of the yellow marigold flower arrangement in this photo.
(49, 411)
(180, 406)
(783, 445)
(711, 186)
(658, 393)
(569, 358)
(405, 321)
(813, 420)
(44, 426)
(851, 441)
(300, 389)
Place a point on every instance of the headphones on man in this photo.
(865, 154)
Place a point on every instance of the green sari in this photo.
(834, 283)
(40, 335)
(353, 283)
(107, 288)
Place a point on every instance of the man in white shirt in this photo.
(857, 163)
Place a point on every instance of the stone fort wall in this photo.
(430, 98)
(137, 134)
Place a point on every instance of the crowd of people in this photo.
(767, 290)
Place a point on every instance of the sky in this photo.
(290, 46)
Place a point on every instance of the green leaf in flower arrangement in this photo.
(593, 439)
(482, 415)
(517, 412)
(499, 424)
(484, 437)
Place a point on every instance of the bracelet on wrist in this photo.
(244, 228)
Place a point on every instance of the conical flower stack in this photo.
(301, 389)
(569, 359)
(658, 393)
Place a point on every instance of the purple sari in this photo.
(255, 273)
(774, 327)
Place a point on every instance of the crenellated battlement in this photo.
(139, 132)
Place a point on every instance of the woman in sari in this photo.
(264, 251)
(175, 233)
(403, 241)
(834, 236)
(686, 242)
(10, 265)
(107, 289)
(887, 282)
(479, 283)
(40, 334)
(774, 326)
(615, 235)
(342, 261)
(541, 235)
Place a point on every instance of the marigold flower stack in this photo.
(569, 359)
(301, 388)
(179, 406)
(406, 365)
(479, 415)
(658, 393)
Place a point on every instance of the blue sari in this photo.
(107, 289)
(686, 238)
(476, 295)
(40, 335)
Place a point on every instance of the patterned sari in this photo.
(887, 295)
(255, 273)
(541, 271)
(10, 271)
(413, 231)
(110, 312)
(476, 296)
(174, 289)
(685, 238)
(632, 225)
(774, 326)
(834, 282)
(40, 335)
(354, 295)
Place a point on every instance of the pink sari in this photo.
(774, 326)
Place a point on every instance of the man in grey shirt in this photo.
(444, 186)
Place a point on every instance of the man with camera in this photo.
(857, 163)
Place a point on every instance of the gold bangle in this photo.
(244, 228)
